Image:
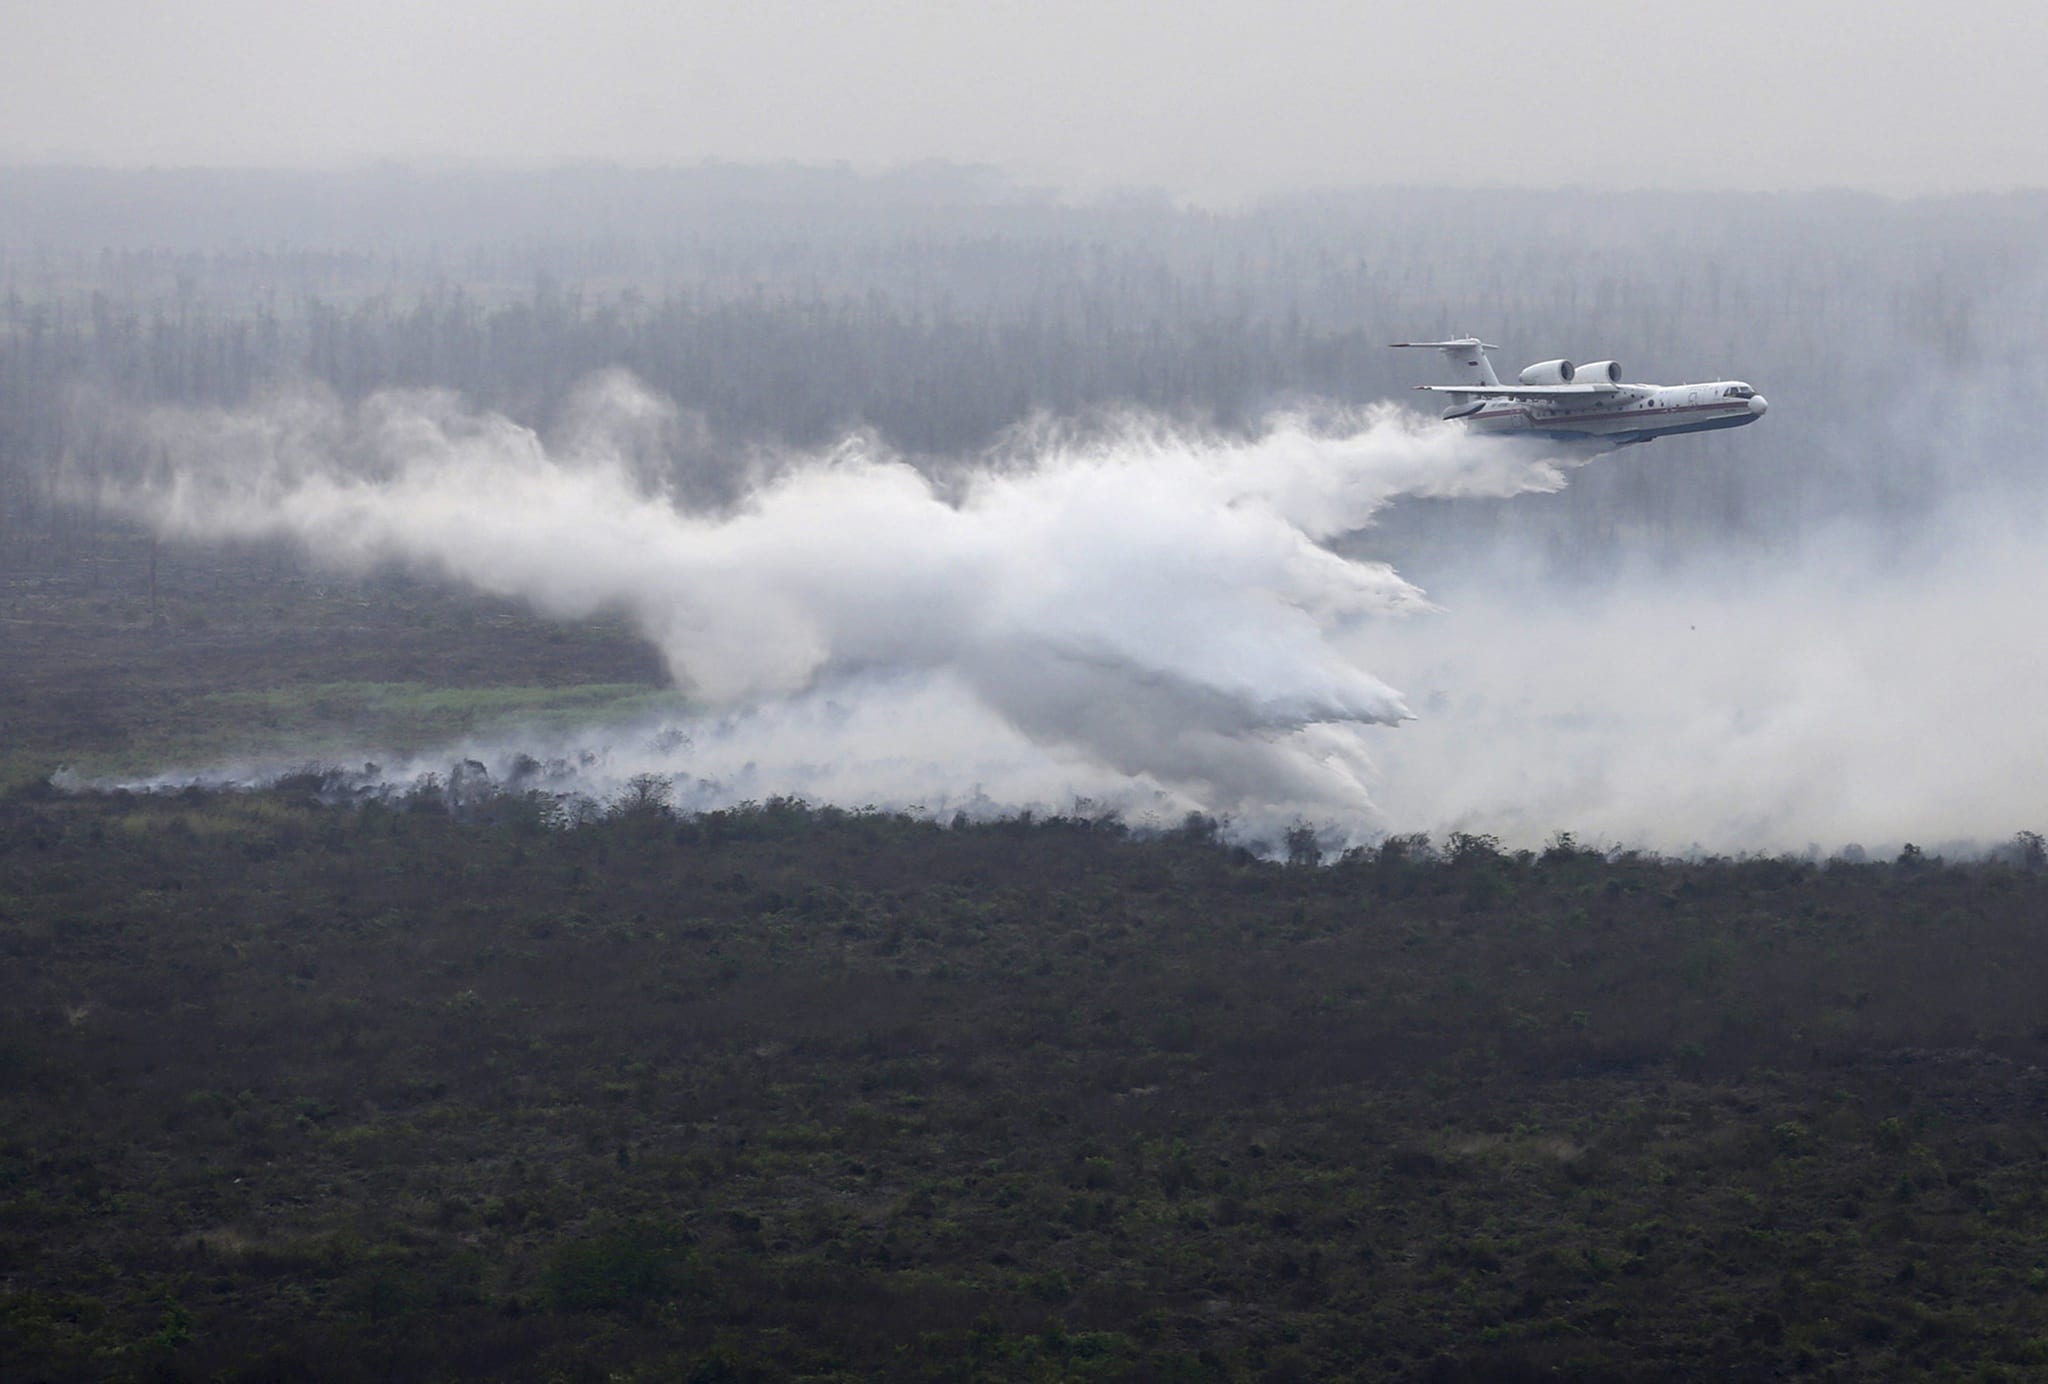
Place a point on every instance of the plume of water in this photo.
(1142, 614)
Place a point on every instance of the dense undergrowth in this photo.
(383, 1091)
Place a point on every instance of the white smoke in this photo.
(1143, 616)
(1862, 690)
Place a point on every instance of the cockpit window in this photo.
(1738, 391)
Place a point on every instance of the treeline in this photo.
(1897, 340)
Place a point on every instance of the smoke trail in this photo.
(1141, 615)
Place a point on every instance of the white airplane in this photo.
(1584, 403)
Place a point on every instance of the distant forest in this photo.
(1898, 341)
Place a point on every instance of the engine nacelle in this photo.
(1548, 372)
(1599, 372)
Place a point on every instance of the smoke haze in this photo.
(1858, 691)
(1155, 620)
(1137, 614)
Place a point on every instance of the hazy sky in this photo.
(1211, 98)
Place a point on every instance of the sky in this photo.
(1211, 100)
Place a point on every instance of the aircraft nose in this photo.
(1759, 405)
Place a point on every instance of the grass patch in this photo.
(408, 713)
(323, 720)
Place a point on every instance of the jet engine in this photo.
(1549, 372)
(1599, 372)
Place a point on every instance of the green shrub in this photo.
(634, 1264)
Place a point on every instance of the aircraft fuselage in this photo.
(1634, 413)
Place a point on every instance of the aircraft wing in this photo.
(1527, 391)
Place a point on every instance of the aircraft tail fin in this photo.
(1466, 356)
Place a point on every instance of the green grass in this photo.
(319, 720)
(441, 709)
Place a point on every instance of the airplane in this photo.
(1584, 403)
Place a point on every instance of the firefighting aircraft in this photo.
(1583, 403)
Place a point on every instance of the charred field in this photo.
(387, 1090)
